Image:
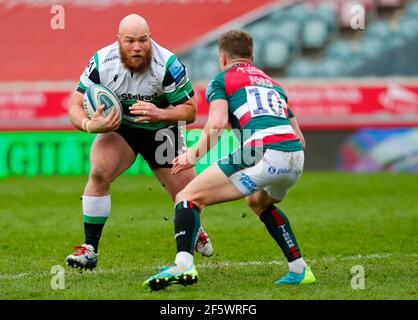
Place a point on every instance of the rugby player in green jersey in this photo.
(156, 94)
(267, 163)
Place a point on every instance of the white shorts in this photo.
(275, 173)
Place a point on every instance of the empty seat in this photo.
(276, 53)
(408, 28)
(378, 29)
(301, 69)
(340, 50)
(397, 40)
(331, 67)
(297, 12)
(328, 14)
(260, 30)
(289, 30)
(411, 10)
(277, 16)
(315, 34)
(202, 62)
(207, 70)
(370, 48)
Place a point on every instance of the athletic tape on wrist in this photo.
(87, 126)
(83, 124)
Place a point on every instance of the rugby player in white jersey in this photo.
(156, 94)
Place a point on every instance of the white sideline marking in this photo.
(213, 265)
(14, 276)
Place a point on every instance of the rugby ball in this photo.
(98, 94)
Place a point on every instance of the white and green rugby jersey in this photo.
(165, 84)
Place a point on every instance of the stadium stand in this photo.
(295, 39)
(315, 39)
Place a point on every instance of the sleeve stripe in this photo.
(96, 61)
(82, 85)
(81, 90)
(184, 99)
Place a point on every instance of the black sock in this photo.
(279, 228)
(92, 234)
(186, 225)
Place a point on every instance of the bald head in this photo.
(134, 25)
(135, 43)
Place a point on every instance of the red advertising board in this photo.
(34, 110)
(340, 106)
(324, 106)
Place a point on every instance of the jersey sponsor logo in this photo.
(398, 99)
(177, 71)
(130, 96)
(250, 70)
(158, 62)
(283, 171)
(110, 59)
(247, 182)
(178, 234)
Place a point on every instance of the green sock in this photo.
(279, 228)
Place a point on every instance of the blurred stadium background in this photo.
(354, 91)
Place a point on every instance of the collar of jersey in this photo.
(241, 64)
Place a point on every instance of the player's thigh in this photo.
(275, 173)
(287, 170)
(210, 187)
(174, 183)
(110, 155)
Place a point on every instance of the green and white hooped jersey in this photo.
(165, 84)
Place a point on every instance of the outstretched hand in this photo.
(184, 161)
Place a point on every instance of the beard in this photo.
(140, 67)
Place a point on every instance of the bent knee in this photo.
(257, 208)
(257, 205)
(101, 175)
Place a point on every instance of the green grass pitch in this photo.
(340, 221)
